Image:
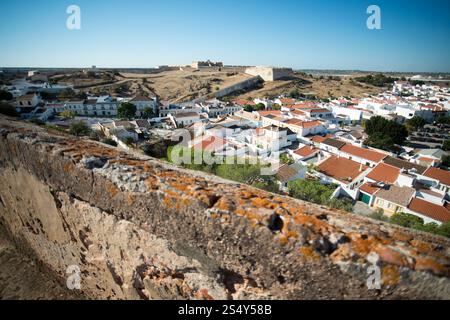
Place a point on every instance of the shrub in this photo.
(109, 141)
(79, 129)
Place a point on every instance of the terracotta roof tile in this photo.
(363, 153)
(306, 151)
(341, 169)
(334, 143)
(431, 210)
(442, 175)
(369, 188)
(403, 164)
(384, 173)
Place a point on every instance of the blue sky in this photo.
(296, 33)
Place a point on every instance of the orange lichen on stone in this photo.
(112, 189)
(401, 236)
(428, 264)
(390, 275)
(309, 254)
(151, 183)
(130, 198)
(224, 204)
(260, 202)
(363, 245)
(342, 253)
(319, 225)
(68, 167)
(203, 295)
(391, 256)
(421, 246)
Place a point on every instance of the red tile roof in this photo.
(323, 110)
(306, 151)
(369, 188)
(269, 112)
(287, 101)
(303, 105)
(303, 124)
(341, 169)
(431, 210)
(210, 143)
(363, 153)
(442, 175)
(317, 139)
(310, 124)
(384, 173)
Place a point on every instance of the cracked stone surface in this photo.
(139, 228)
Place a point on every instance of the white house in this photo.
(142, 102)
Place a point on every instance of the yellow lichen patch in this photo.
(283, 239)
(390, 275)
(168, 202)
(428, 264)
(260, 202)
(309, 254)
(245, 194)
(112, 189)
(214, 215)
(223, 204)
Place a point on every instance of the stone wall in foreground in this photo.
(138, 228)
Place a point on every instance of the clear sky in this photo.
(302, 34)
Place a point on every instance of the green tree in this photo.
(109, 141)
(294, 94)
(79, 129)
(384, 133)
(444, 230)
(67, 114)
(378, 80)
(415, 123)
(446, 145)
(316, 192)
(129, 141)
(407, 220)
(276, 106)
(66, 94)
(286, 159)
(443, 119)
(5, 95)
(147, 113)
(7, 109)
(446, 160)
(248, 108)
(126, 110)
